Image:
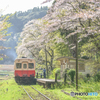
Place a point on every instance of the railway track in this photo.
(42, 97)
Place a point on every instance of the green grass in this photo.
(9, 90)
(54, 94)
(86, 87)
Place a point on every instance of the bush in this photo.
(91, 79)
(88, 75)
(97, 77)
(85, 79)
(65, 71)
(58, 73)
(71, 72)
(81, 76)
(57, 70)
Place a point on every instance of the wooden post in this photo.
(41, 75)
(65, 78)
(37, 75)
(56, 77)
(43, 85)
(69, 63)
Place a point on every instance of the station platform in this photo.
(46, 82)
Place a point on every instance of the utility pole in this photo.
(76, 63)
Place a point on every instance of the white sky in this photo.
(10, 6)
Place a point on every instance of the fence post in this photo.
(65, 79)
(41, 75)
(55, 77)
(37, 75)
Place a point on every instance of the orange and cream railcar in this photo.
(24, 69)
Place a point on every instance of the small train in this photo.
(24, 70)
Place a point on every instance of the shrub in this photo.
(58, 73)
(85, 79)
(88, 75)
(91, 79)
(97, 76)
(56, 70)
(65, 71)
(71, 72)
(81, 76)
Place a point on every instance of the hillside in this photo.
(18, 20)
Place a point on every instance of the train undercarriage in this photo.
(25, 80)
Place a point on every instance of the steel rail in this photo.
(27, 93)
(40, 93)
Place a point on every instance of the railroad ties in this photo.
(47, 82)
(32, 96)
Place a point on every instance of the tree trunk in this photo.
(52, 57)
(51, 63)
(46, 61)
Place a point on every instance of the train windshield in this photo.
(18, 65)
(30, 65)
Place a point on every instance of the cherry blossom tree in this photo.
(33, 40)
(4, 25)
(71, 18)
(79, 17)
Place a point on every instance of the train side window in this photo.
(18, 65)
(30, 65)
(24, 66)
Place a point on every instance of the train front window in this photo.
(18, 65)
(24, 66)
(31, 65)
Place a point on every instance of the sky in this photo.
(11, 6)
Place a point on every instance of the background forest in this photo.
(18, 20)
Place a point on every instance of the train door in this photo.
(25, 69)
